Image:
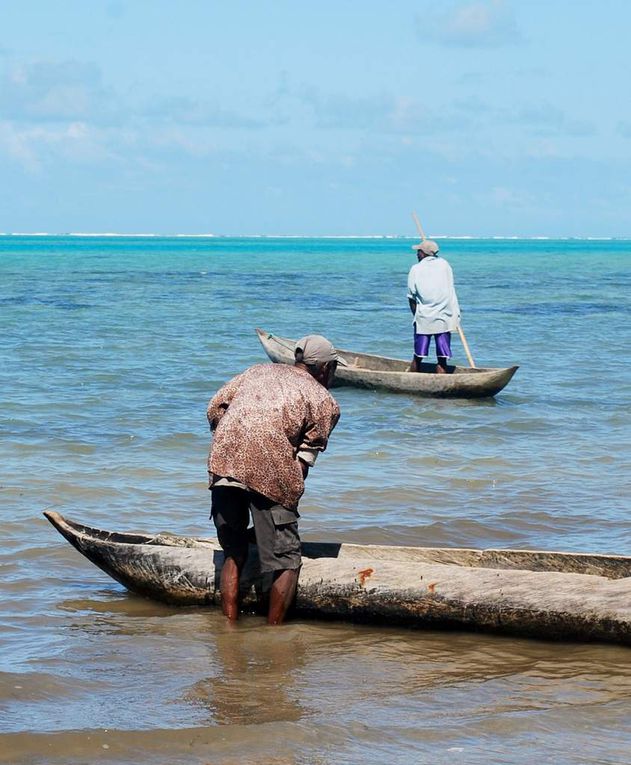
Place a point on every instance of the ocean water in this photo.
(110, 349)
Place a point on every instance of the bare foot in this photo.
(440, 370)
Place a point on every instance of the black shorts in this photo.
(275, 527)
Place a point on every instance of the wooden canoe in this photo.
(383, 373)
(549, 595)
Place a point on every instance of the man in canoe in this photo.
(434, 305)
(269, 424)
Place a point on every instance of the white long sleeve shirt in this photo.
(431, 285)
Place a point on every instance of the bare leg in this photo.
(281, 595)
(229, 587)
(441, 365)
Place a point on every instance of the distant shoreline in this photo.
(403, 237)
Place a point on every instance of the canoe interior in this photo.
(73, 530)
(282, 348)
(367, 361)
(610, 566)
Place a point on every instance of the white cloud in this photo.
(174, 139)
(56, 91)
(35, 146)
(187, 111)
(478, 24)
(15, 144)
(545, 148)
(503, 196)
(64, 91)
(383, 113)
(548, 119)
(61, 111)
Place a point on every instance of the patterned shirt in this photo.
(261, 420)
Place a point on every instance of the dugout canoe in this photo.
(382, 373)
(548, 595)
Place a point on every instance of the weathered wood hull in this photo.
(382, 373)
(532, 594)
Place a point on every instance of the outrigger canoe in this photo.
(382, 373)
(549, 595)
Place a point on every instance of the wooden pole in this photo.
(418, 226)
(463, 339)
(466, 347)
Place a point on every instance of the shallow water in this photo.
(109, 352)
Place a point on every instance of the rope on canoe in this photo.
(280, 342)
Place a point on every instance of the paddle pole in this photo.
(419, 227)
(463, 339)
(466, 347)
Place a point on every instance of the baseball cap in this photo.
(427, 247)
(316, 349)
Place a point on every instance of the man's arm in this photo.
(453, 296)
(411, 291)
(316, 435)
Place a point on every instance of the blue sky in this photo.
(488, 117)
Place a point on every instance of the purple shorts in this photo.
(443, 344)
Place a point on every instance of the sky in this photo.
(487, 117)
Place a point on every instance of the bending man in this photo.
(269, 423)
(434, 305)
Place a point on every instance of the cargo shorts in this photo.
(275, 527)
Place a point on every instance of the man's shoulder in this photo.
(308, 384)
(288, 372)
(259, 369)
(255, 372)
(247, 372)
(293, 385)
(436, 262)
(445, 264)
(273, 368)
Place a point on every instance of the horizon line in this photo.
(111, 234)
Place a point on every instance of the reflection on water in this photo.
(256, 673)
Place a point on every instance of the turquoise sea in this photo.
(110, 349)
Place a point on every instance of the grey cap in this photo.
(427, 247)
(316, 349)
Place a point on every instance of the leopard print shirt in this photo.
(260, 420)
